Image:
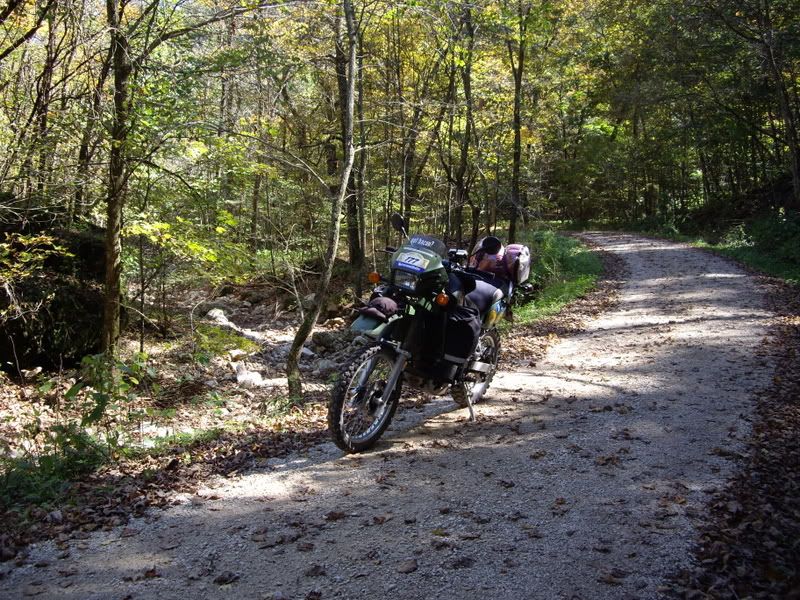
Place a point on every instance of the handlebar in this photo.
(476, 273)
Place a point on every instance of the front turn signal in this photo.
(442, 299)
(374, 277)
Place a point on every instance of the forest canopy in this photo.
(208, 138)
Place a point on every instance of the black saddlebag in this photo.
(463, 329)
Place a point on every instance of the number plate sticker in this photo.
(413, 261)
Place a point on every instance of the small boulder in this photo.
(325, 366)
(308, 301)
(237, 354)
(247, 378)
(325, 339)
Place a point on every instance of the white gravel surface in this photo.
(584, 477)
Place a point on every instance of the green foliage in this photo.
(211, 341)
(74, 446)
(42, 479)
(106, 389)
(277, 406)
(770, 244)
(778, 234)
(563, 269)
(21, 258)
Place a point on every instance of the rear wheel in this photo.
(475, 384)
(357, 416)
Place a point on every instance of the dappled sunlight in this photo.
(725, 275)
(599, 456)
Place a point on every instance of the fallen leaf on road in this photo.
(315, 571)
(407, 566)
(463, 562)
(226, 578)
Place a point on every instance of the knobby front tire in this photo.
(356, 416)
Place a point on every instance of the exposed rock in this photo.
(31, 373)
(236, 354)
(308, 301)
(218, 314)
(407, 566)
(247, 378)
(326, 366)
(226, 578)
(206, 308)
(325, 339)
(62, 304)
(255, 296)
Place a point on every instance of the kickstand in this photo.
(471, 411)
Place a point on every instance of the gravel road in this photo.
(584, 477)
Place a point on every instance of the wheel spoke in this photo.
(361, 415)
(475, 384)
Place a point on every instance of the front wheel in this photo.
(357, 416)
(474, 384)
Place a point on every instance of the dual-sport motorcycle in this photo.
(433, 326)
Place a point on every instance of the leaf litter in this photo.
(749, 547)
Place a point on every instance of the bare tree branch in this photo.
(30, 33)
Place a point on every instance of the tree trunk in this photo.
(355, 231)
(347, 107)
(461, 175)
(788, 119)
(517, 68)
(117, 180)
(45, 91)
(361, 172)
(254, 213)
(86, 148)
(355, 252)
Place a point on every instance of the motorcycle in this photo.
(433, 327)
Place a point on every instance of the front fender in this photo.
(373, 327)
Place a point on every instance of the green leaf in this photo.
(73, 391)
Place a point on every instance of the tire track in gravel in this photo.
(585, 477)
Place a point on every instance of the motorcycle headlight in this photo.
(406, 280)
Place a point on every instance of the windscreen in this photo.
(428, 242)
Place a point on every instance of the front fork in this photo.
(401, 358)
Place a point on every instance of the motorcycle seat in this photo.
(485, 295)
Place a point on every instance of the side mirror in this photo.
(457, 255)
(398, 223)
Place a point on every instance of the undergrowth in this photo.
(44, 479)
(769, 243)
(211, 340)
